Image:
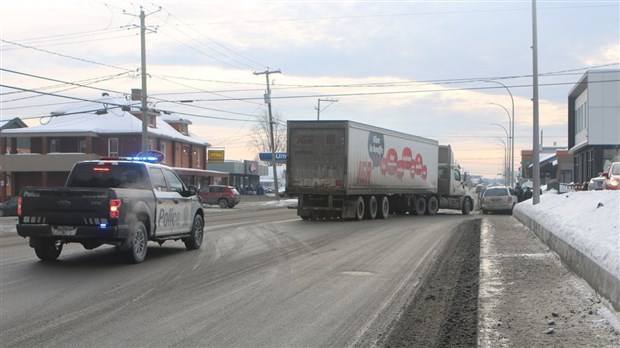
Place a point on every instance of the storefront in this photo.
(243, 175)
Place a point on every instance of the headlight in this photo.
(614, 182)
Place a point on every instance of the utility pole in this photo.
(318, 108)
(535, 142)
(271, 139)
(145, 110)
(143, 97)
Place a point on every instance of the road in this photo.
(261, 278)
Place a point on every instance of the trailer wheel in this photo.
(419, 205)
(359, 209)
(384, 212)
(371, 208)
(433, 206)
(466, 209)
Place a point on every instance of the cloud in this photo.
(604, 55)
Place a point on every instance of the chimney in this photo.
(136, 94)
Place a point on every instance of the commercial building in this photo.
(594, 123)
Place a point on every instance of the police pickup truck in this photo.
(124, 202)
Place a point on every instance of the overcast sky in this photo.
(420, 67)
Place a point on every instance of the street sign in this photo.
(266, 156)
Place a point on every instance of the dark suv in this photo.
(223, 196)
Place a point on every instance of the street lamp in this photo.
(512, 129)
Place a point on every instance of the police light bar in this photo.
(147, 159)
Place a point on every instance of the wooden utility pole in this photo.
(271, 138)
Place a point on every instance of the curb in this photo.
(603, 282)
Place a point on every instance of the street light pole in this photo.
(535, 121)
(318, 108)
(512, 129)
(510, 153)
(506, 154)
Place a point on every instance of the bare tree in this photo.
(260, 138)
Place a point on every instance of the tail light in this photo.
(19, 206)
(115, 208)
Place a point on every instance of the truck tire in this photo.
(360, 207)
(371, 208)
(419, 205)
(467, 204)
(432, 207)
(194, 241)
(384, 209)
(136, 245)
(47, 250)
(222, 203)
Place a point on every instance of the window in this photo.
(173, 180)
(81, 146)
(113, 147)
(457, 175)
(197, 158)
(162, 149)
(54, 145)
(157, 179)
(184, 129)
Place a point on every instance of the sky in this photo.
(444, 70)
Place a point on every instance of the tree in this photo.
(260, 137)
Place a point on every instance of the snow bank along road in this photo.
(583, 228)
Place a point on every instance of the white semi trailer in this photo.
(349, 170)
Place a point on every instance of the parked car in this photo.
(596, 183)
(222, 195)
(9, 208)
(612, 177)
(498, 199)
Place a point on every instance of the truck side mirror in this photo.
(192, 190)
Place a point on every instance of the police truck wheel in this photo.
(136, 245)
(47, 250)
(360, 207)
(195, 240)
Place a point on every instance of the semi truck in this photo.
(349, 170)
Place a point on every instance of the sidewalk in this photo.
(528, 298)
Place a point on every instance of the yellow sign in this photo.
(215, 156)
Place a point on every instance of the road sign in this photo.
(266, 156)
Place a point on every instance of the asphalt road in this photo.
(261, 278)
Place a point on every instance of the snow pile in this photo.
(587, 220)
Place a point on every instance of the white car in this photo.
(498, 199)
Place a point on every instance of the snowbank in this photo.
(587, 220)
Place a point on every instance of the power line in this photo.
(219, 44)
(54, 80)
(64, 55)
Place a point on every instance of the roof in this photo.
(81, 120)
(12, 123)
